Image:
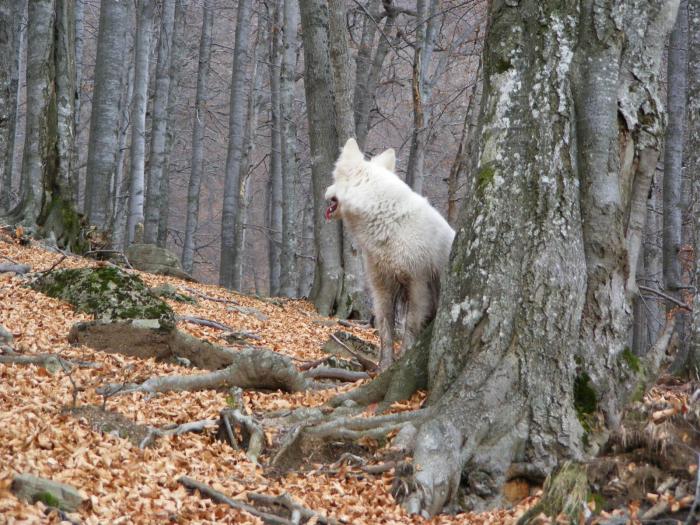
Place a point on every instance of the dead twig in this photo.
(176, 430)
(219, 497)
(9, 259)
(669, 298)
(204, 322)
(54, 265)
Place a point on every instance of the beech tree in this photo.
(529, 342)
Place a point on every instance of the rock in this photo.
(108, 293)
(154, 259)
(5, 336)
(32, 489)
(170, 292)
(246, 310)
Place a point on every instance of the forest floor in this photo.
(125, 484)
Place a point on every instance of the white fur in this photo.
(405, 241)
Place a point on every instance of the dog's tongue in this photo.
(329, 210)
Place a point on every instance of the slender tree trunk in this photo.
(673, 151)
(198, 127)
(11, 14)
(276, 182)
(230, 266)
(290, 172)
(543, 262)
(79, 45)
(426, 33)
(104, 118)
(178, 56)
(362, 96)
(120, 182)
(144, 32)
(156, 162)
(318, 85)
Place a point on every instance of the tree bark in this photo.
(541, 265)
(673, 150)
(79, 46)
(230, 266)
(198, 127)
(159, 129)
(142, 51)
(276, 178)
(290, 172)
(104, 118)
(11, 14)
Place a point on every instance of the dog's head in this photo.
(351, 166)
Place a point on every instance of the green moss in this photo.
(632, 360)
(502, 65)
(107, 293)
(585, 401)
(484, 177)
(564, 492)
(598, 501)
(48, 499)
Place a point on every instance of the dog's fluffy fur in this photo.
(405, 241)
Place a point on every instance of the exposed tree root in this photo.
(285, 501)
(325, 372)
(176, 430)
(564, 492)
(204, 322)
(52, 361)
(241, 431)
(20, 269)
(250, 368)
(399, 381)
(208, 297)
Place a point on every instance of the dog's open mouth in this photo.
(331, 208)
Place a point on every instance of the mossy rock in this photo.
(170, 292)
(108, 293)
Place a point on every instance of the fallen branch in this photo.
(20, 269)
(353, 324)
(9, 259)
(220, 497)
(208, 297)
(669, 298)
(326, 372)
(291, 505)
(54, 265)
(250, 368)
(204, 322)
(367, 364)
(176, 430)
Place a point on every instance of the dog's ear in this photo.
(386, 159)
(351, 151)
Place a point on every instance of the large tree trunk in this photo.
(10, 43)
(530, 333)
(45, 198)
(79, 46)
(159, 130)
(144, 32)
(276, 215)
(198, 126)
(692, 161)
(318, 85)
(290, 183)
(230, 265)
(104, 119)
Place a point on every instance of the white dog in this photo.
(405, 241)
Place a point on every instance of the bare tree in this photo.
(142, 51)
(693, 167)
(274, 16)
(104, 118)
(198, 127)
(290, 183)
(230, 265)
(79, 46)
(159, 122)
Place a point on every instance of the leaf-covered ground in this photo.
(127, 485)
